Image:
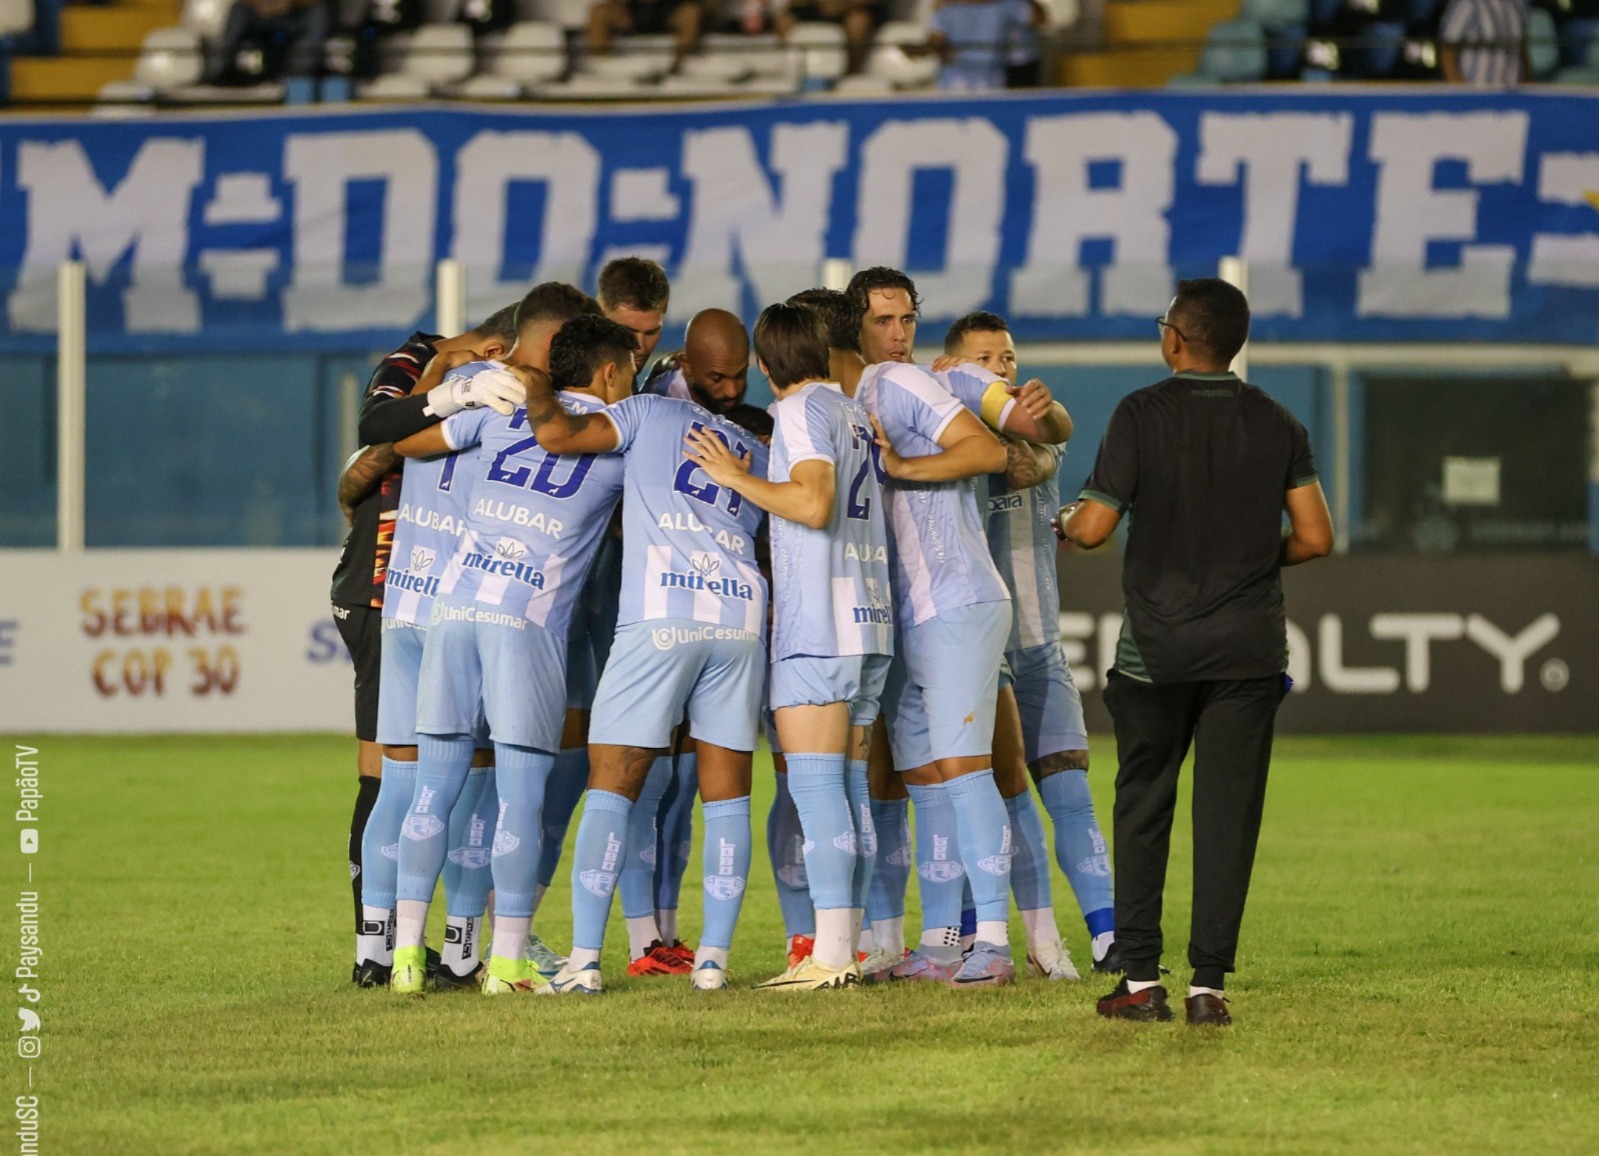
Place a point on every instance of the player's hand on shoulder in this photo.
(949, 361)
(893, 464)
(707, 451)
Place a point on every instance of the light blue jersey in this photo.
(938, 549)
(535, 519)
(688, 546)
(1024, 546)
(830, 586)
(428, 526)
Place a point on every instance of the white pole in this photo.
(1235, 271)
(450, 297)
(836, 273)
(71, 375)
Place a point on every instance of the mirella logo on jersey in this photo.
(702, 576)
(666, 637)
(417, 578)
(508, 560)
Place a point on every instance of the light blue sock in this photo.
(441, 771)
(1029, 866)
(1080, 848)
(785, 843)
(891, 870)
(938, 857)
(638, 871)
(674, 840)
(521, 774)
(380, 842)
(816, 784)
(860, 808)
(467, 878)
(727, 867)
(985, 842)
(568, 778)
(597, 855)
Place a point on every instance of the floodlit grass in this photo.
(1417, 976)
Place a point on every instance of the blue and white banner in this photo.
(1425, 215)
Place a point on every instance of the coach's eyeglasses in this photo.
(1161, 325)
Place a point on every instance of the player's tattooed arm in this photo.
(362, 474)
(559, 431)
(1027, 465)
(386, 417)
(967, 448)
(807, 497)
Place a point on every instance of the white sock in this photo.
(539, 891)
(889, 934)
(832, 938)
(666, 920)
(716, 955)
(867, 941)
(581, 957)
(461, 934)
(995, 931)
(510, 935)
(1215, 991)
(1041, 928)
(941, 937)
(641, 932)
(1103, 942)
(375, 944)
(857, 916)
(1134, 986)
(410, 920)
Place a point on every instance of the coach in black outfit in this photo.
(1207, 465)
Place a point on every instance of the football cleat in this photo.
(799, 950)
(659, 959)
(682, 950)
(1108, 961)
(1052, 961)
(986, 965)
(409, 976)
(584, 980)
(808, 975)
(544, 961)
(445, 979)
(708, 977)
(877, 963)
(370, 974)
(509, 977)
(921, 965)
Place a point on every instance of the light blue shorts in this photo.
(942, 688)
(664, 668)
(1047, 698)
(398, 668)
(479, 657)
(806, 680)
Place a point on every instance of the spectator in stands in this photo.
(1024, 67)
(1484, 42)
(860, 20)
(267, 39)
(975, 39)
(682, 18)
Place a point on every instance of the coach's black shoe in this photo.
(370, 974)
(444, 979)
(1148, 1005)
(1207, 1009)
(1111, 963)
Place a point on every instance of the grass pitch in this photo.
(1417, 975)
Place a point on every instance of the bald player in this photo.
(712, 369)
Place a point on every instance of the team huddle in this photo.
(578, 591)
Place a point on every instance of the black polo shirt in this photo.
(1203, 463)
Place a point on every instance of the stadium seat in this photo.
(633, 58)
(440, 11)
(1275, 13)
(1543, 48)
(566, 13)
(716, 68)
(206, 18)
(822, 50)
(433, 57)
(16, 17)
(864, 84)
(525, 54)
(169, 58)
(1235, 51)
